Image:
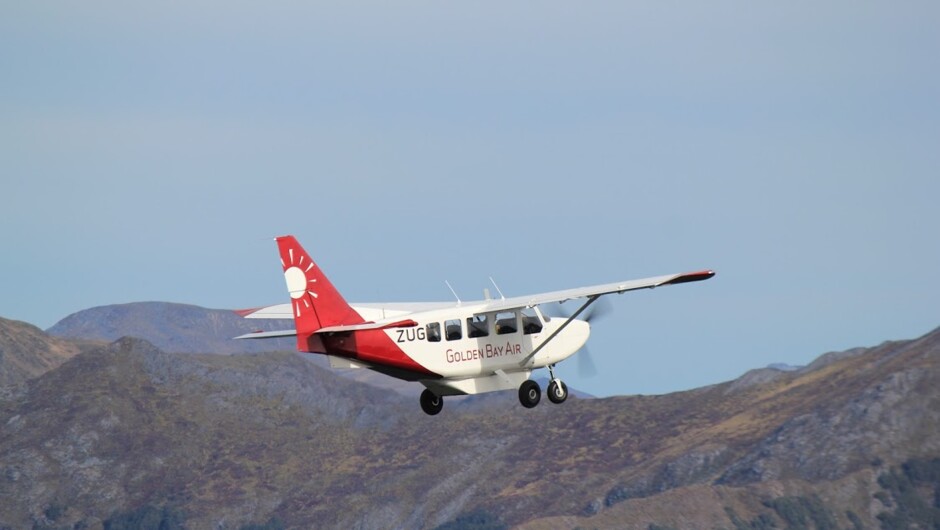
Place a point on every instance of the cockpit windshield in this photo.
(531, 323)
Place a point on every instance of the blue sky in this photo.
(150, 152)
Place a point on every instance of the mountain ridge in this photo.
(233, 440)
(27, 352)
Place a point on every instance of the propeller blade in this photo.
(599, 309)
(586, 366)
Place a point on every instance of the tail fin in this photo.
(316, 303)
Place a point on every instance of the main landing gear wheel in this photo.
(431, 403)
(557, 391)
(529, 394)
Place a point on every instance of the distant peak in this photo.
(784, 367)
(129, 344)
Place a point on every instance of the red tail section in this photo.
(316, 303)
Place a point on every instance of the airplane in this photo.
(452, 348)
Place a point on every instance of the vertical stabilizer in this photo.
(315, 302)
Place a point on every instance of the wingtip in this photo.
(691, 277)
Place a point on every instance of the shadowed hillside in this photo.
(27, 352)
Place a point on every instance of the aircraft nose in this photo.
(582, 331)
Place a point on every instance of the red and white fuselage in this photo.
(450, 348)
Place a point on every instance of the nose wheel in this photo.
(557, 391)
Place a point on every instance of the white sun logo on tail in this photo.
(295, 274)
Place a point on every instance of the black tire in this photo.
(431, 403)
(529, 394)
(557, 391)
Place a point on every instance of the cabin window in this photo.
(477, 326)
(506, 323)
(452, 329)
(434, 332)
(530, 322)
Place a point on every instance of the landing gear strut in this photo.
(431, 403)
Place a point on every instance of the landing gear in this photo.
(529, 394)
(557, 391)
(431, 403)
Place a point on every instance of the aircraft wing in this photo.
(596, 290)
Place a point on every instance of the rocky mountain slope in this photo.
(27, 352)
(205, 441)
(837, 444)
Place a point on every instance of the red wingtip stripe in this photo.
(246, 312)
(691, 277)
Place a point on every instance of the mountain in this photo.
(127, 424)
(127, 432)
(783, 367)
(849, 444)
(173, 327)
(27, 352)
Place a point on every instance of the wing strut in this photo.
(591, 300)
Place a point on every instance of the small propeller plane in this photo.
(452, 348)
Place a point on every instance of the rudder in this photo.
(316, 303)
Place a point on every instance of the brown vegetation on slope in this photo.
(232, 440)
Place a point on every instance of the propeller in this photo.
(586, 366)
(598, 309)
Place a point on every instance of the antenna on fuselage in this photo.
(453, 291)
(497, 288)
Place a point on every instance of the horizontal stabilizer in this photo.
(332, 329)
(369, 325)
(268, 334)
(284, 311)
